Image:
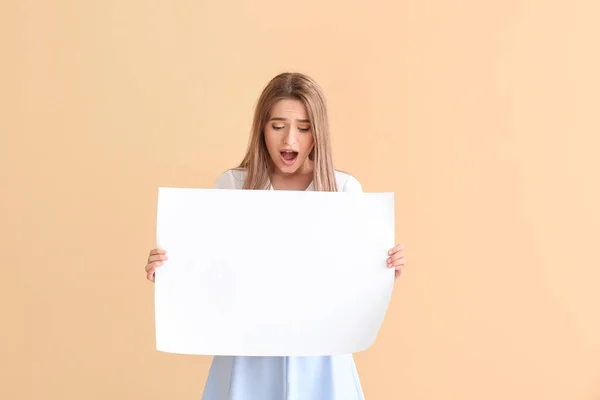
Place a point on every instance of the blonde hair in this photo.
(257, 162)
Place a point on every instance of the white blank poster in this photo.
(272, 273)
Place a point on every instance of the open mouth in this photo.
(289, 157)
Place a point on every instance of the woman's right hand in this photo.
(156, 259)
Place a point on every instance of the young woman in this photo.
(289, 149)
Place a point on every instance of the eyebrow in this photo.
(285, 119)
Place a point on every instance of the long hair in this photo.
(257, 162)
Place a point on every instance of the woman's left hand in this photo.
(396, 259)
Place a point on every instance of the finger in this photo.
(398, 263)
(156, 264)
(398, 273)
(154, 252)
(398, 260)
(396, 249)
(397, 256)
(153, 265)
(396, 266)
(151, 272)
(157, 258)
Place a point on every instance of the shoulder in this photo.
(231, 179)
(347, 182)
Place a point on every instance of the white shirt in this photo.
(283, 378)
(234, 179)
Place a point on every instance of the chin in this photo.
(291, 168)
(287, 169)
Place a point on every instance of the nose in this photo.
(289, 138)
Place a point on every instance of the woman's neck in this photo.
(299, 180)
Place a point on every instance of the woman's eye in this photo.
(278, 127)
(304, 129)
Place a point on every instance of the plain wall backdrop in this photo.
(482, 117)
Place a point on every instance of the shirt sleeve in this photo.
(352, 185)
(224, 181)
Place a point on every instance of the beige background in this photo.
(482, 116)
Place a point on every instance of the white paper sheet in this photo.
(272, 273)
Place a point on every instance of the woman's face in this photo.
(289, 136)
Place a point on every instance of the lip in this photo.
(288, 162)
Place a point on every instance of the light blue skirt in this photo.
(283, 378)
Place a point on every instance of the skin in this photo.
(288, 128)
